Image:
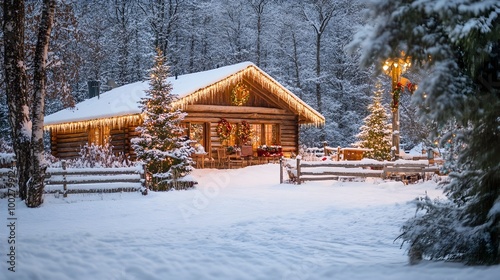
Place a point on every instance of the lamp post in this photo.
(394, 68)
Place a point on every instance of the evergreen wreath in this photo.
(240, 94)
(244, 132)
(224, 129)
(395, 96)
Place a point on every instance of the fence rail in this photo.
(404, 170)
(86, 180)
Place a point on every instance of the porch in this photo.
(244, 156)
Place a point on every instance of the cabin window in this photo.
(197, 133)
(99, 135)
(271, 134)
(265, 134)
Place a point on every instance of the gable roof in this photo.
(122, 103)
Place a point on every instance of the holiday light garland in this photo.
(224, 129)
(312, 117)
(240, 94)
(395, 96)
(244, 132)
(119, 122)
(267, 82)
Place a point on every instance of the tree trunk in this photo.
(296, 64)
(36, 184)
(16, 87)
(318, 72)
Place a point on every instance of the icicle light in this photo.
(119, 122)
(309, 116)
(296, 104)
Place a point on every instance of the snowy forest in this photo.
(300, 43)
(331, 53)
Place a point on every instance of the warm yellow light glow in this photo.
(311, 116)
(266, 81)
(402, 63)
(118, 122)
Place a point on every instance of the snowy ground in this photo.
(237, 224)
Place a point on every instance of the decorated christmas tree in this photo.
(376, 132)
(161, 144)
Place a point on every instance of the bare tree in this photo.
(16, 82)
(27, 121)
(164, 14)
(36, 185)
(258, 7)
(318, 14)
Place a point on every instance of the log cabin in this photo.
(236, 93)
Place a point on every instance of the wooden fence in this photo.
(85, 180)
(404, 170)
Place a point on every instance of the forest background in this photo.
(300, 43)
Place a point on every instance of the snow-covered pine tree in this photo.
(458, 44)
(376, 132)
(161, 144)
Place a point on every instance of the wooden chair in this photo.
(210, 162)
(236, 160)
(222, 159)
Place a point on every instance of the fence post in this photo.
(298, 171)
(281, 170)
(143, 176)
(65, 185)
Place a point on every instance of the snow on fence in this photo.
(84, 180)
(404, 170)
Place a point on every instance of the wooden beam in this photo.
(234, 109)
(250, 117)
(263, 93)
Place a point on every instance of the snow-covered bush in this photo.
(457, 48)
(437, 233)
(99, 156)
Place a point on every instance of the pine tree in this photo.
(161, 145)
(458, 44)
(376, 132)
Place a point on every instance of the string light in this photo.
(119, 122)
(267, 82)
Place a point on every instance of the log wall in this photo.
(68, 144)
(287, 121)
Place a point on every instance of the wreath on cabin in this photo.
(224, 129)
(240, 94)
(244, 132)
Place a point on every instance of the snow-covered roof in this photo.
(124, 100)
